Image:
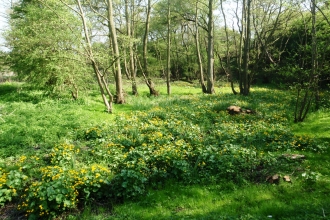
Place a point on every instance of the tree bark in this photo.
(168, 58)
(198, 52)
(113, 36)
(246, 50)
(310, 91)
(100, 80)
(130, 34)
(210, 51)
(148, 80)
(227, 68)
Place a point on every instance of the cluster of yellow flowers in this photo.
(63, 153)
(60, 187)
(11, 182)
(93, 132)
(3, 177)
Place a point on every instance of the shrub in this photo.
(93, 133)
(60, 189)
(11, 185)
(63, 154)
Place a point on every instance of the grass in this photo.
(317, 123)
(181, 134)
(223, 201)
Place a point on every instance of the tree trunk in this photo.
(168, 58)
(113, 36)
(227, 68)
(198, 52)
(127, 71)
(102, 84)
(310, 91)
(130, 34)
(148, 80)
(210, 52)
(245, 82)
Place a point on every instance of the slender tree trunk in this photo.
(314, 78)
(310, 91)
(149, 82)
(130, 34)
(127, 71)
(227, 69)
(168, 58)
(240, 45)
(199, 57)
(113, 36)
(100, 79)
(246, 51)
(210, 51)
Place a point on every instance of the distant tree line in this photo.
(63, 45)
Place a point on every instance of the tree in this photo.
(227, 69)
(145, 70)
(45, 47)
(100, 78)
(113, 35)
(89, 55)
(168, 57)
(210, 51)
(130, 35)
(245, 78)
(306, 92)
(198, 53)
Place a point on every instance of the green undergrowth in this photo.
(181, 156)
(317, 124)
(222, 201)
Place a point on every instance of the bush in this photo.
(60, 189)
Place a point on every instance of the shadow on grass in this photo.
(16, 92)
(284, 201)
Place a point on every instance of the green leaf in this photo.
(59, 198)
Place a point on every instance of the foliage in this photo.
(63, 154)
(12, 182)
(60, 189)
(187, 140)
(45, 46)
(295, 65)
(311, 177)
